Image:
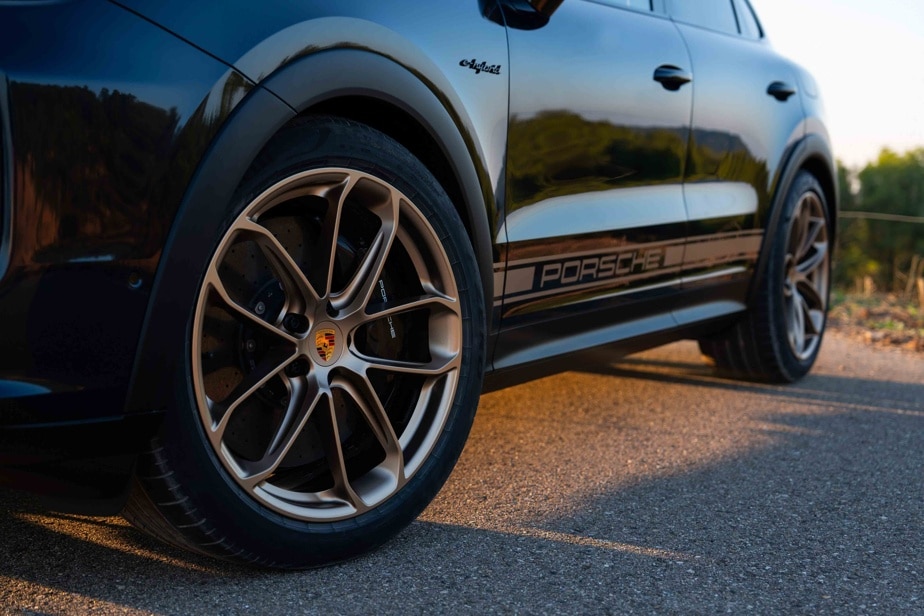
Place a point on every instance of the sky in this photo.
(868, 59)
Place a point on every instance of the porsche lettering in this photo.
(590, 269)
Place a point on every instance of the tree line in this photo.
(881, 229)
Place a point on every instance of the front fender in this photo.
(328, 75)
(164, 338)
(812, 152)
(296, 88)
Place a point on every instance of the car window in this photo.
(638, 5)
(747, 21)
(712, 14)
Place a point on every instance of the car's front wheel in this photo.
(334, 361)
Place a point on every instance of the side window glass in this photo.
(713, 14)
(636, 5)
(747, 21)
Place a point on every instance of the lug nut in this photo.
(299, 367)
(260, 308)
(295, 323)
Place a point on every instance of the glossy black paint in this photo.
(594, 164)
(690, 149)
(601, 139)
(104, 137)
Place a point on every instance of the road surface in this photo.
(644, 486)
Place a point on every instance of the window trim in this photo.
(613, 4)
(761, 34)
(670, 13)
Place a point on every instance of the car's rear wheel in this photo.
(780, 337)
(335, 358)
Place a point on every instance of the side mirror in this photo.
(527, 14)
(545, 7)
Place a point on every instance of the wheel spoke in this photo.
(433, 302)
(214, 283)
(303, 399)
(814, 228)
(333, 450)
(798, 230)
(429, 389)
(274, 361)
(807, 292)
(439, 364)
(815, 261)
(355, 295)
(378, 421)
(797, 327)
(289, 272)
(816, 321)
(805, 315)
(324, 254)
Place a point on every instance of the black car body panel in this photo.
(608, 206)
(281, 46)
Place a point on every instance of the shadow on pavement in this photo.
(608, 490)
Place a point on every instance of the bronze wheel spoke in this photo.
(213, 282)
(359, 289)
(290, 274)
(333, 451)
(377, 419)
(324, 254)
(303, 399)
(425, 301)
(270, 366)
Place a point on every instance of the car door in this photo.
(594, 221)
(745, 117)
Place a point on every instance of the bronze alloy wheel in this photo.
(332, 359)
(326, 344)
(805, 286)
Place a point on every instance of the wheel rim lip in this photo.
(312, 506)
(810, 204)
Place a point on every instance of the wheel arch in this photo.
(813, 154)
(405, 104)
(401, 126)
(334, 82)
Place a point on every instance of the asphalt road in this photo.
(645, 486)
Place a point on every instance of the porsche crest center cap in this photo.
(327, 343)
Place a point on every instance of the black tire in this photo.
(779, 338)
(340, 424)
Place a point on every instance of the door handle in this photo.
(780, 90)
(672, 77)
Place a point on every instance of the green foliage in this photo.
(883, 250)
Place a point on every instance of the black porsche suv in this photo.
(259, 260)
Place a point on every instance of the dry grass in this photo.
(880, 320)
